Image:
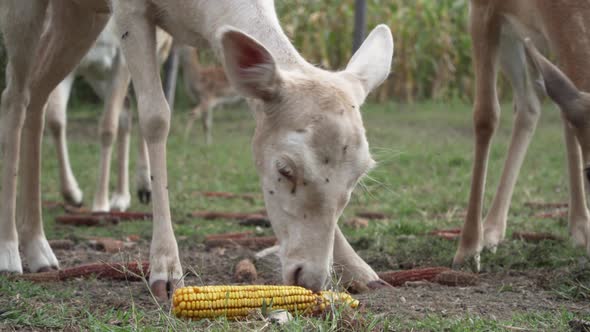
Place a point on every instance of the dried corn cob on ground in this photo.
(238, 301)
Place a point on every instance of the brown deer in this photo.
(207, 84)
(498, 29)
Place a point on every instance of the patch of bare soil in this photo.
(496, 296)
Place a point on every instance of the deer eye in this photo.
(285, 170)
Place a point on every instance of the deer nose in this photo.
(304, 276)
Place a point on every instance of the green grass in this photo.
(424, 154)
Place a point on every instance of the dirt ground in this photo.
(497, 296)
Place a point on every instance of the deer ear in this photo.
(249, 66)
(371, 63)
(557, 85)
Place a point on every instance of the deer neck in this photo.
(259, 20)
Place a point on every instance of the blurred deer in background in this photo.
(208, 85)
(498, 30)
(105, 70)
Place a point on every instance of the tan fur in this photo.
(498, 29)
(207, 84)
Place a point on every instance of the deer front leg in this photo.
(352, 269)
(138, 42)
(527, 109)
(57, 122)
(56, 58)
(21, 24)
(486, 37)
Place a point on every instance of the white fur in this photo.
(9, 257)
(38, 253)
(372, 61)
(291, 95)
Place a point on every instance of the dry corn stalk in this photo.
(254, 243)
(240, 301)
(441, 275)
(399, 278)
(132, 271)
(86, 220)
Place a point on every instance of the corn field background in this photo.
(432, 47)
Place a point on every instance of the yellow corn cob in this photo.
(238, 301)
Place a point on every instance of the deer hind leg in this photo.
(108, 129)
(57, 121)
(72, 30)
(21, 24)
(121, 198)
(486, 110)
(139, 43)
(527, 110)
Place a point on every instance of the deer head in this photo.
(309, 146)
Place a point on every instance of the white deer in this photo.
(498, 30)
(105, 70)
(310, 147)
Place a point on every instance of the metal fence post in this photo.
(360, 23)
